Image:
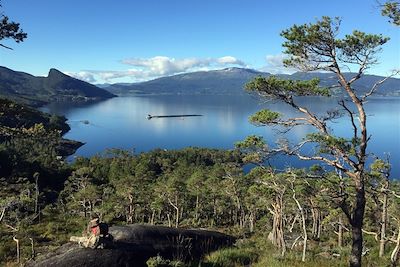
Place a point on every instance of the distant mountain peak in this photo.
(55, 72)
(57, 86)
(232, 69)
(237, 69)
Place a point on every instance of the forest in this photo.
(45, 201)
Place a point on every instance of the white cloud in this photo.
(111, 75)
(160, 65)
(275, 65)
(82, 75)
(230, 60)
(149, 68)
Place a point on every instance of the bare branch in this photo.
(12, 228)
(313, 120)
(355, 129)
(2, 214)
(334, 163)
(362, 68)
(377, 84)
(371, 233)
(6, 47)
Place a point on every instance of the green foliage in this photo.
(252, 141)
(230, 257)
(10, 30)
(379, 167)
(253, 148)
(283, 89)
(14, 115)
(264, 117)
(315, 46)
(329, 143)
(359, 43)
(29, 150)
(210, 191)
(158, 261)
(150, 187)
(391, 9)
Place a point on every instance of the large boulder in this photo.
(134, 244)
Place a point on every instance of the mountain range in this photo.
(231, 81)
(57, 86)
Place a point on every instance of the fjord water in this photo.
(122, 123)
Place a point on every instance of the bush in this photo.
(160, 262)
(231, 257)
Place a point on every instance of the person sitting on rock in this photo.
(95, 235)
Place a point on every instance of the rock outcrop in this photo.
(134, 244)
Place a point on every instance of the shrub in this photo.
(158, 261)
(231, 257)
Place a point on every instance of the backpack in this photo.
(103, 229)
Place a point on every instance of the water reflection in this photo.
(122, 123)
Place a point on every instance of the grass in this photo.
(231, 257)
(257, 251)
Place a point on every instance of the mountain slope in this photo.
(29, 89)
(232, 80)
(222, 82)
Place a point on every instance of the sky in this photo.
(103, 41)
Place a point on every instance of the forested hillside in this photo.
(25, 88)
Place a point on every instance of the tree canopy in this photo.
(316, 46)
(391, 9)
(10, 30)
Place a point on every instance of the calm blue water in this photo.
(122, 123)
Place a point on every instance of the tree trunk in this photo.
(84, 207)
(357, 217)
(277, 236)
(340, 232)
(382, 241)
(3, 212)
(129, 217)
(196, 210)
(251, 221)
(36, 176)
(316, 217)
(214, 212)
(314, 220)
(356, 224)
(293, 223)
(33, 253)
(169, 220)
(395, 253)
(177, 217)
(17, 247)
(303, 223)
(152, 217)
(319, 225)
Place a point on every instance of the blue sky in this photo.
(105, 41)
